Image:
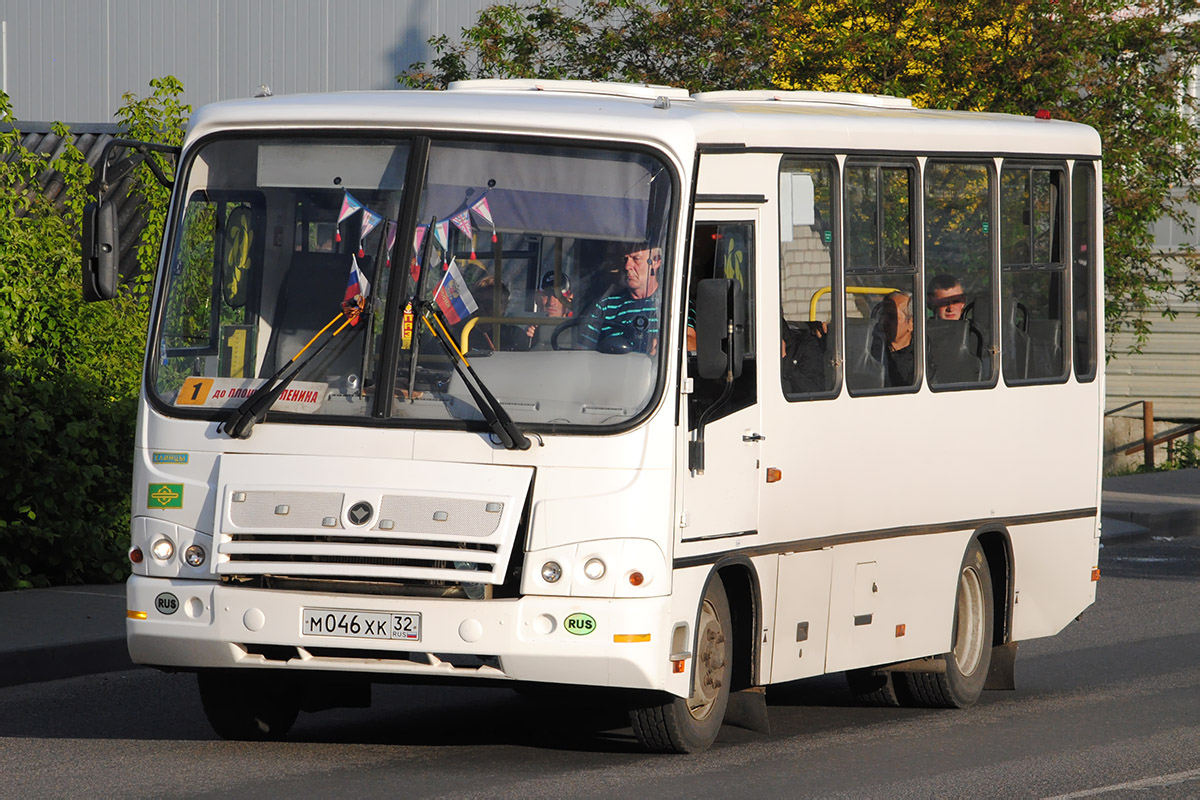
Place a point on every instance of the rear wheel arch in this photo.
(997, 547)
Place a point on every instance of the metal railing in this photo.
(1149, 440)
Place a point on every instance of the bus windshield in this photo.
(545, 266)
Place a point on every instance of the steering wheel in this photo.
(572, 322)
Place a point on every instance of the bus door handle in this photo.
(753, 437)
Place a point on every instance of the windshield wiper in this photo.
(494, 413)
(241, 420)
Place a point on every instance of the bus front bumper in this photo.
(584, 641)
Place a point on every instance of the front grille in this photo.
(422, 539)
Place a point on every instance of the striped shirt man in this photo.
(635, 318)
(632, 314)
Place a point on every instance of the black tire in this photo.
(689, 725)
(970, 654)
(249, 705)
(873, 688)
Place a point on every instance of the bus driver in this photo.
(628, 321)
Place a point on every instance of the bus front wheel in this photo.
(970, 654)
(249, 705)
(689, 725)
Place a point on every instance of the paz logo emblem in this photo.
(360, 513)
(164, 495)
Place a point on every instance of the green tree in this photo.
(69, 370)
(698, 45)
(1118, 66)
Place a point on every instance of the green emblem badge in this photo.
(580, 624)
(165, 495)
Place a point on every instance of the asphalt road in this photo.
(1109, 708)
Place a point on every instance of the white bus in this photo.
(548, 382)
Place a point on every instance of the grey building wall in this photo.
(1167, 371)
(71, 60)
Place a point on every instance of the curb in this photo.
(55, 662)
(1133, 525)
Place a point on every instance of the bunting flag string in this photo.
(461, 220)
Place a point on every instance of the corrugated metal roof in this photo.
(90, 140)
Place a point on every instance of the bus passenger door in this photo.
(721, 502)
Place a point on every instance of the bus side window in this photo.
(881, 299)
(1033, 274)
(1083, 269)
(959, 330)
(807, 269)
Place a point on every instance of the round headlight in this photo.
(551, 572)
(194, 555)
(594, 569)
(163, 549)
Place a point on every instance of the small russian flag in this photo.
(453, 297)
(358, 289)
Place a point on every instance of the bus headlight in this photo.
(163, 549)
(594, 569)
(194, 556)
(551, 572)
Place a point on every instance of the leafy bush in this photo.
(69, 370)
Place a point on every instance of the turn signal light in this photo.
(1042, 113)
(678, 666)
(1095, 573)
(636, 578)
(774, 475)
(630, 638)
(135, 614)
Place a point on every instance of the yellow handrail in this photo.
(470, 326)
(824, 290)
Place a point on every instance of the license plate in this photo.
(403, 626)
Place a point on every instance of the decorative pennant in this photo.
(389, 234)
(481, 208)
(349, 207)
(462, 221)
(369, 221)
(441, 234)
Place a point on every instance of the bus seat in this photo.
(950, 352)
(1045, 348)
(310, 296)
(1015, 342)
(866, 367)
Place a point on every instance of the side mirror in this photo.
(720, 328)
(101, 251)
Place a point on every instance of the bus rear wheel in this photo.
(249, 705)
(689, 725)
(970, 654)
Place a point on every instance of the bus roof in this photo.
(668, 116)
